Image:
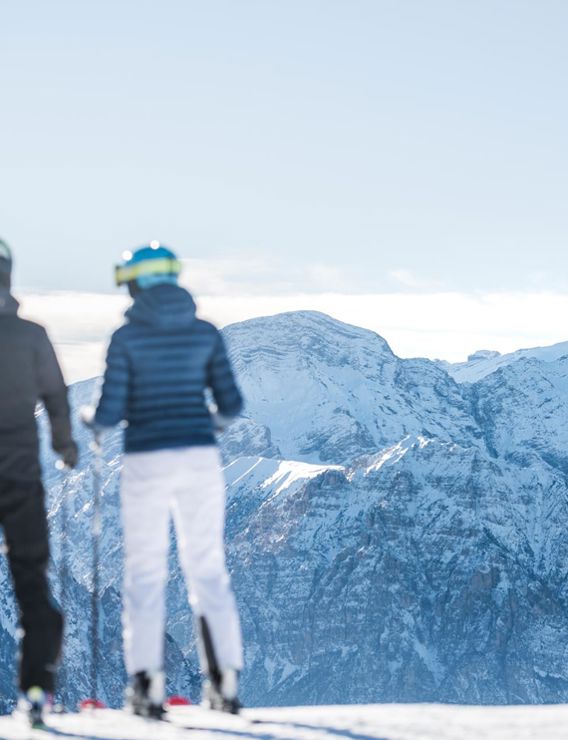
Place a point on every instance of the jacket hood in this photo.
(163, 306)
(8, 304)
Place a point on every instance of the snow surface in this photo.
(378, 722)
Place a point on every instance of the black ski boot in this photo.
(145, 695)
(220, 693)
(32, 704)
(221, 686)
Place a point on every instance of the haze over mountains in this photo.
(396, 528)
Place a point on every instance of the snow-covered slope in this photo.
(319, 390)
(386, 722)
(414, 573)
(523, 407)
(393, 535)
(484, 362)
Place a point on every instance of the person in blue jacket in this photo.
(160, 366)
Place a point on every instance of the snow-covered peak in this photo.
(483, 354)
(484, 362)
(321, 391)
(307, 330)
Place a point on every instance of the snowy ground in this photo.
(383, 722)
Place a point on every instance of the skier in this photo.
(160, 364)
(29, 372)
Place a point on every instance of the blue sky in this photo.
(396, 145)
(399, 164)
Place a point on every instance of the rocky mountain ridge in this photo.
(482, 363)
(393, 535)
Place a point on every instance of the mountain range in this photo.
(396, 528)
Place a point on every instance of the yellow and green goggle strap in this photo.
(126, 273)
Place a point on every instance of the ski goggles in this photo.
(125, 274)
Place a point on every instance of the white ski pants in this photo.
(187, 485)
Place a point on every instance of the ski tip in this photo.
(177, 701)
(87, 704)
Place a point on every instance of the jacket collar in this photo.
(163, 306)
(8, 304)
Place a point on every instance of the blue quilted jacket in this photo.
(159, 365)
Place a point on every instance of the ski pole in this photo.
(64, 553)
(63, 569)
(96, 533)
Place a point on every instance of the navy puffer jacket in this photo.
(159, 365)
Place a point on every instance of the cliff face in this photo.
(411, 575)
(393, 535)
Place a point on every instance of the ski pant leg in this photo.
(145, 504)
(25, 528)
(199, 515)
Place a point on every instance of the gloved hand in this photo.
(221, 423)
(87, 416)
(70, 456)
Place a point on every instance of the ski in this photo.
(41, 727)
(201, 718)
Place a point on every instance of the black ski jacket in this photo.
(29, 372)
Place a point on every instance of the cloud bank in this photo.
(442, 325)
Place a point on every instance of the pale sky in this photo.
(398, 141)
(351, 147)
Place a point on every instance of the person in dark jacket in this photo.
(29, 372)
(160, 365)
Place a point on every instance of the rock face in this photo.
(393, 535)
